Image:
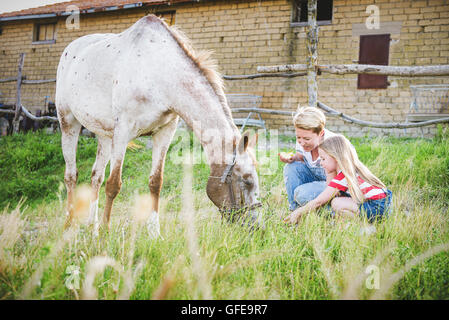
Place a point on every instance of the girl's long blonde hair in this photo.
(339, 148)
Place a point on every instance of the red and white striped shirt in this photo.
(369, 191)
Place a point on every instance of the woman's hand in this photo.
(289, 157)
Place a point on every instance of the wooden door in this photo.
(374, 49)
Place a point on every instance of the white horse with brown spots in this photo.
(139, 82)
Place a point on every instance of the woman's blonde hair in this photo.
(309, 118)
(339, 148)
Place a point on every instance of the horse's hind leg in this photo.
(70, 129)
(113, 185)
(161, 142)
(102, 159)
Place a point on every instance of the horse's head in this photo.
(234, 187)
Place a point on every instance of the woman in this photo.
(304, 177)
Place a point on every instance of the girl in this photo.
(351, 186)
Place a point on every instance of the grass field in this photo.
(202, 256)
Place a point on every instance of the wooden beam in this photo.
(404, 71)
(7, 111)
(24, 81)
(38, 81)
(18, 93)
(261, 110)
(436, 70)
(282, 68)
(11, 79)
(312, 56)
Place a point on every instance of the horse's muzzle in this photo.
(249, 216)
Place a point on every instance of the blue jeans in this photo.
(376, 209)
(303, 183)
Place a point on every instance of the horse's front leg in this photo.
(161, 142)
(114, 183)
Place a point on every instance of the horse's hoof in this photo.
(153, 226)
(96, 230)
(95, 225)
(68, 223)
(104, 228)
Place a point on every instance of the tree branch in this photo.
(390, 125)
(30, 115)
(265, 75)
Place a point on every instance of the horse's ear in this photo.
(253, 140)
(246, 141)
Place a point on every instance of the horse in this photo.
(140, 82)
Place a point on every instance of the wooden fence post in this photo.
(312, 42)
(18, 100)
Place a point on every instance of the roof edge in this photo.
(91, 10)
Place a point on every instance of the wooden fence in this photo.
(18, 106)
(312, 70)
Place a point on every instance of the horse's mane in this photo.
(204, 62)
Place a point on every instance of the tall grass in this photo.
(203, 256)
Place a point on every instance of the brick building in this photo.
(247, 34)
